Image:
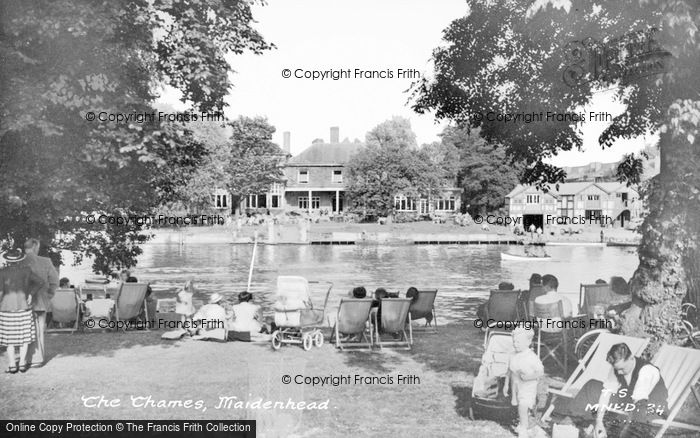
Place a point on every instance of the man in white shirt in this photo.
(550, 284)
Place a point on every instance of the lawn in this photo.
(118, 366)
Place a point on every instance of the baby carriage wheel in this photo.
(276, 340)
(307, 342)
(318, 338)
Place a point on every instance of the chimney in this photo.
(335, 134)
(287, 142)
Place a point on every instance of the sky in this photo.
(320, 35)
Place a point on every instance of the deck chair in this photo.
(424, 307)
(592, 295)
(65, 309)
(394, 316)
(551, 339)
(351, 320)
(93, 291)
(535, 291)
(680, 369)
(593, 366)
(503, 305)
(131, 302)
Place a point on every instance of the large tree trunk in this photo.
(668, 250)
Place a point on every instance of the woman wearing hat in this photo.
(210, 320)
(18, 285)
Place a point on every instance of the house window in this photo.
(303, 202)
(402, 203)
(221, 201)
(303, 176)
(593, 197)
(337, 176)
(445, 204)
(533, 199)
(315, 202)
(252, 201)
(275, 201)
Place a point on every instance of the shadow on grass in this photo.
(455, 347)
(106, 344)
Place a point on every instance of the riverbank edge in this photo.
(247, 236)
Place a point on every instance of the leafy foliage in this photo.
(508, 56)
(64, 61)
(390, 165)
(483, 171)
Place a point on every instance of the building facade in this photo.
(315, 181)
(575, 204)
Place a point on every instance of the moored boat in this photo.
(522, 258)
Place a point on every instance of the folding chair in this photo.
(592, 296)
(593, 366)
(680, 369)
(131, 302)
(424, 307)
(503, 305)
(65, 309)
(351, 320)
(394, 316)
(555, 338)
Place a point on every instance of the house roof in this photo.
(327, 153)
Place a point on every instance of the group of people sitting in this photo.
(382, 294)
(220, 319)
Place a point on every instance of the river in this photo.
(463, 274)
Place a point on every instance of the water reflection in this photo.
(462, 274)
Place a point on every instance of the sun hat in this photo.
(13, 255)
(215, 298)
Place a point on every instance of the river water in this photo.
(463, 274)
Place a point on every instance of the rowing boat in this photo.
(521, 258)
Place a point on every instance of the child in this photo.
(184, 304)
(524, 370)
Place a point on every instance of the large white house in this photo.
(597, 203)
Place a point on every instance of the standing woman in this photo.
(18, 285)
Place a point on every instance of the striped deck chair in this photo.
(424, 307)
(65, 309)
(593, 366)
(394, 313)
(351, 320)
(680, 369)
(131, 302)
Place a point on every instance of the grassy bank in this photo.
(118, 366)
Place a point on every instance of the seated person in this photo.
(210, 321)
(601, 281)
(481, 310)
(524, 370)
(413, 294)
(248, 316)
(125, 277)
(64, 283)
(550, 284)
(633, 381)
(358, 292)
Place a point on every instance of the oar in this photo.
(252, 262)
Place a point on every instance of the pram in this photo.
(488, 401)
(297, 321)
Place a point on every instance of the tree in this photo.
(64, 66)
(508, 57)
(254, 162)
(482, 169)
(390, 165)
